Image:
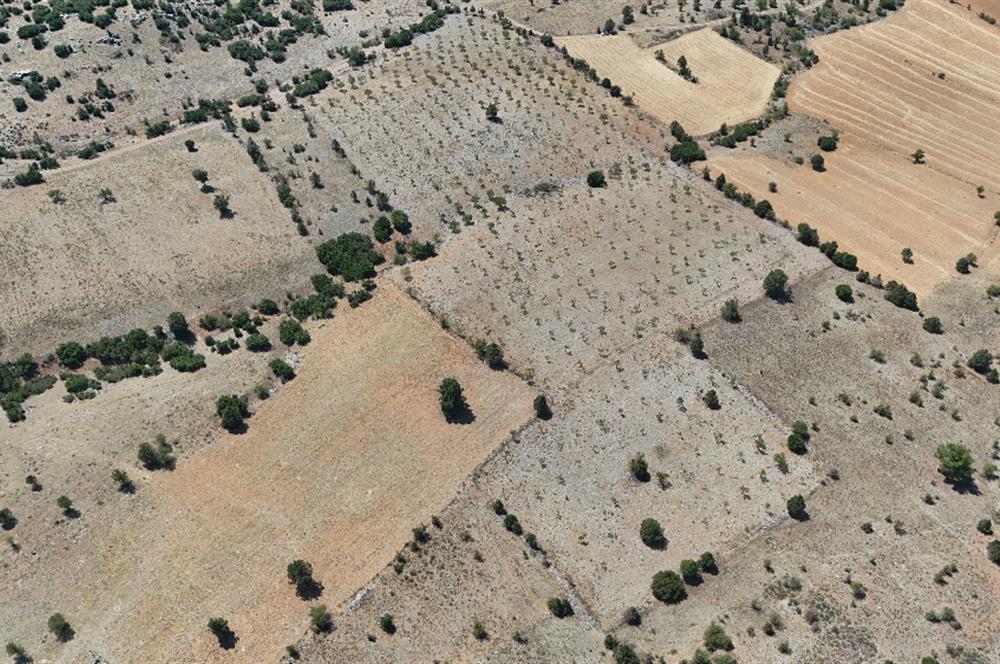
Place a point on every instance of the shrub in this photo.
(651, 533)
(844, 293)
(686, 152)
(706, 563)
(901, 296)
(932, 324)
(291, 332)
(775, 285)
(60, 627)
(386, 623)
(156, 455)
(827, 143)
(452, 399)
(121, 478)
(954, 462)
(232, 410)
(808, 235)
(382, 229)
(796, 506)
(711, 400)
(638, 468)
(632, 616)
(595, 179)
(491, 354)
(542, 410)
(350, 255)
(844, 260)
(478, 631)
(668, 587)
(300, 574)
(559, 607)
(321, 619)
(20, 105)
(219, 627)
(817, 163)
(511, 523)
(258, 343)
(401, 222)
(796, 444)
(65, 504)
(731, 311)
(268, 307)
(980, 361)
(985, 526)
(993, 552)
(715, 638)
(282, 370)
(690, 572)
(71, 355)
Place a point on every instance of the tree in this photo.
(258, 343)
(542, 410)
(386, 623)
(595, 179)
(808, 235)
(65, 504)
(901, 296)
(201, 176)
(980, 361)
(818, 163)
(300, 574)
(690, 572)
(827, 143)
(796, 506)
(993, 552)
(401, 222)
(17, 651)
(796, 443)
(282, 370)
(125, 484)
(918, 156)
(232, 410)
(491, 354)
(907, 255)
(955, 463)
(221, 203)
(706, 563)
(219, 627)
(107, 196)
(453, 403)
(71, 355)
(178, 326)
(651, 533)
(350, 255)
(478, 631)
(382, 229)
(731, 311)
(711, 400)
(157, 456)
(321, 619)
(60, 627)
(932, 324)
(715, 638)
(668, 587)
(638, 468)
(559, 607)
(844, 293)
(492, 112)
(775, 285)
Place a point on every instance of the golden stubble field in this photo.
(336, 469)
(926, 78)
(733, 85)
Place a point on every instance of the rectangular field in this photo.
(733, 85)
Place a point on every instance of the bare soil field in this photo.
(354, 451)
(83, 268)
(899, 198)
(733, 85)
(585, 17)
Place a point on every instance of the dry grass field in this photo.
(733, 85)
(583, 17)
(354, 452)
(84, 268)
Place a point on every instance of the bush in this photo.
(478, 631)
(511, 523)
(686, 152)
(933, 325)
(219, 627)
(690, 572)
(715, 638)
(268, 307)
(559, 607)
(232, 410)
(595, 179)
(775, 285)
(845, 261)
(638, 468)
(282, 370)
(350, 255)
(796, 444)
(258, 343)
(827, 143)
(901, 296)
(401, 222)
(382, 229)
(651, 533)
(491, 354)
(808, 235)
(668, 587)
(796, 506)
(300, 574)
(452, 399)
(19, 104)
(954, 462)
(60, 627)
(731, 311)
(706, 563)
(156, 455)
(321, 619)
(291, 332)
(980, 361)
(386, 623)
(844, 293)
(817, 163)
(993, 552)
(711, 400)
(542, 410)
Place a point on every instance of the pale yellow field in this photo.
(733, 86)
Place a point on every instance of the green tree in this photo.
(715, 638)
(492, 112)
(387, 624)
(232, 410)
(844, 293)
(219, 627)
(818, 163)
(282, 370)
(993, 552)
(932, 324)
(60, 627)
(595, 179)
(731, 311)
(954, 462)
(690, 572)
(452, 399)
(71, 355)
(638, 468)
(321, 619)
(65, 504)
(668, 587)
(121, 478)
(980, 361)
(796, 506)
(300, 574)
(559, 607)
(178, 326)
(651, 533)
(775, 285)
(542, 410)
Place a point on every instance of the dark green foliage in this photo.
(933, 325)
(387, 624)
(796, 506)
(321, 619)
(844, 260)
(316, 81)
(980, 361)
(796, 443)
(638, 468)
(764, 210)
(711, 400)
(731, 311)
(268, 307)
(491, 354)
(30, 177)
(817, 163)
(595, 179)
(511, 523)
(985, 526)
(706, 563)
(808, 235)
(401, 222)
(955, 463)
(775, 285)
(258, 343)
(20, 105)
(686, 152)
(844, 293)
(282, 370)
(993, 552)
(382, 229)
(291, 332)
(668, 587)
(559, 607)
(178, 326)
(232, 410)
(350, 255)
(156, 455)
(121, 478)
(541, 405)
(690, 572)
(651, 533)
(452, 399)
(300, 574)
(901, 296)
(158, 129)
(715, 638)
(71, 355)
(60, 627)
(422, 250)
(827, 143)
(337, 5)
(219, 627)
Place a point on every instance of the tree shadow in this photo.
(311, 589)
(227, 640)
(800, 516)
(9, 523)
(660, 545)
(71, 513)
(968, 486)
(463, 415)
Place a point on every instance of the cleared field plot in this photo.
(584, 17)
(733, 85)
(335, 469)
(927, 77)
(83, 267)
(874, 203)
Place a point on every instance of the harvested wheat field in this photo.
(732, 86)
(336, 470)
(928, 78)
(903, 205)
(85, 267)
